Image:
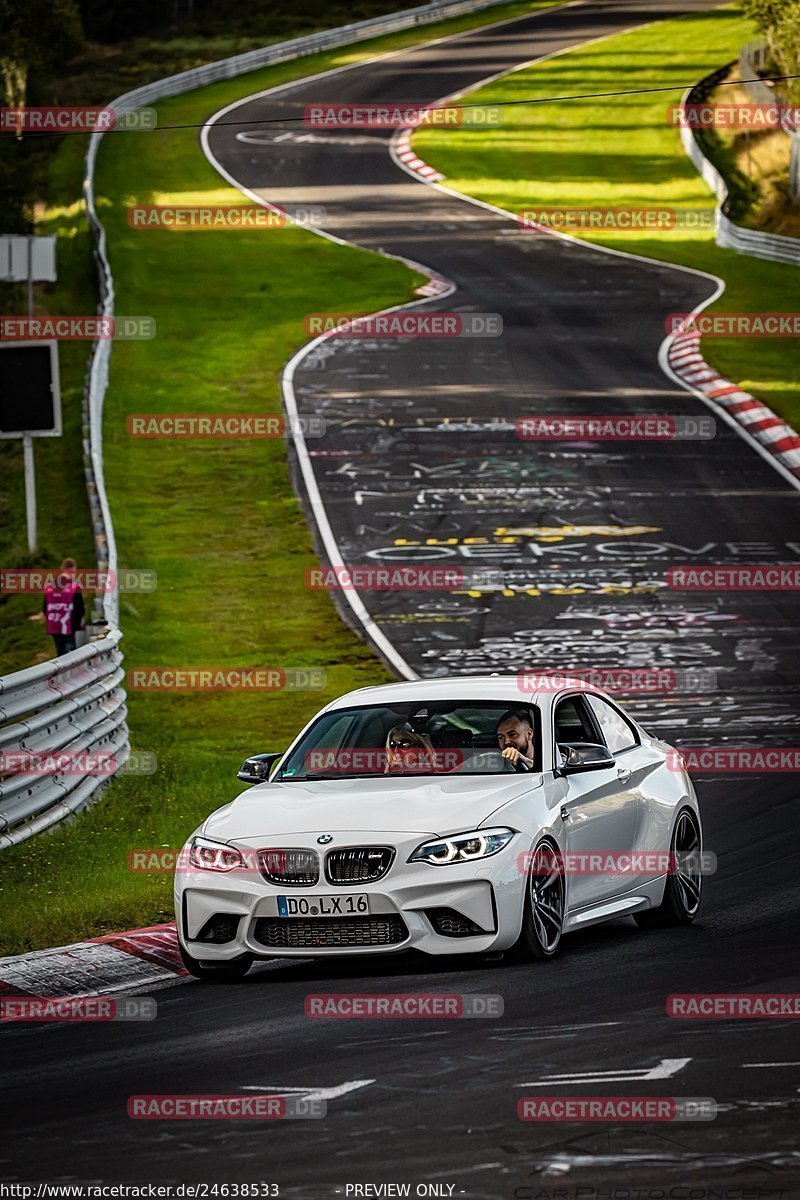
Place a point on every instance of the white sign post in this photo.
(30, 491)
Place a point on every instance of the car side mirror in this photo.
(256, 769)
(583, 756)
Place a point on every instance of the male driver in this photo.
(515, 738)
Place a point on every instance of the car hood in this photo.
(417, 805)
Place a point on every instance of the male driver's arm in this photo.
(517, 758)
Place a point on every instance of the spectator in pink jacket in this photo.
(63, 607)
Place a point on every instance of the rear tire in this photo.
(543, 915)
(683, 890)
(212, 972)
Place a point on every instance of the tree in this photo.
(779, 21)
(766, 12)
(36, 36)
(786, 43)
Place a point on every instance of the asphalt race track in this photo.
(422, 445)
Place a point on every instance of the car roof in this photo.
(504, 688)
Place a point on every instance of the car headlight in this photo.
(206, 855)
(464, 847)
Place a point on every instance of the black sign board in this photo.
(30, 400)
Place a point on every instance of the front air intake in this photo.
(318, 933)
(289, 868)
(358, 864)
(220, 928)
(449, 923)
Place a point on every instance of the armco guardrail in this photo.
(730, 236)
(173, 85)
(52, 717)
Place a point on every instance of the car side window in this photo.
(617, 733)
(572, 721)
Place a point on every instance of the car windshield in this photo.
(411, 738)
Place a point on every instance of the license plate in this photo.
(324, 906)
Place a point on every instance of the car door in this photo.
(637, 763)
(599, 812)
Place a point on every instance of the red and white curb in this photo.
(401, 146)
(436, 286)
(772, 433)
(99, 967)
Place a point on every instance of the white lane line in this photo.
(663, 1070)
(312, 1093)
(783, 1064)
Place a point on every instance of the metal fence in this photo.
(729, 235)
(55, 719)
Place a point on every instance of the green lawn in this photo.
(216, 520)
(587, 152)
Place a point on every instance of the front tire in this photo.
(224, 972)
(683, 890)
(543, 915)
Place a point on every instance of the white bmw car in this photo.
(443, 816)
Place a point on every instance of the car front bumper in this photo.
(403, 905)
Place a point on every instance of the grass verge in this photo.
(622, 152)
(216, 520)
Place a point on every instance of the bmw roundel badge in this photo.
(324, 838)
